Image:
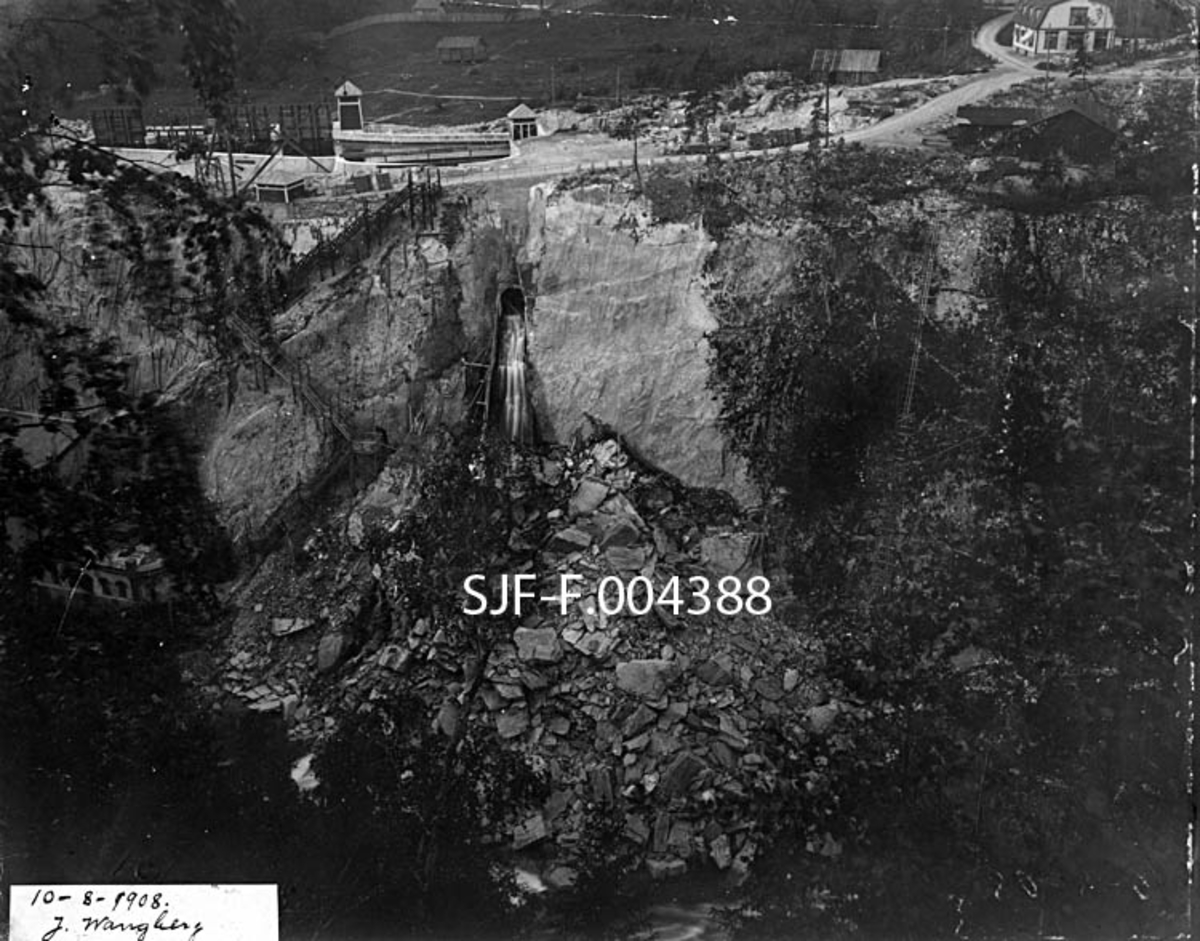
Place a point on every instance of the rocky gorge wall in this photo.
(618, 331)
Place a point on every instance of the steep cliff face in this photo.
(257, 451)
(618, 332)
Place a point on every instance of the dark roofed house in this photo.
(1080, 132)
(461, 49)
(845, 66)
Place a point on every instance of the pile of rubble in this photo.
(672, 720)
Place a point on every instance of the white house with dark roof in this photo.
(1042, 27)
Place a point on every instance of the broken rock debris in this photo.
(674, 722)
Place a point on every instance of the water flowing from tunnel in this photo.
(517, 415)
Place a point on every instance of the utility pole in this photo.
(828, 122)
(618, 85)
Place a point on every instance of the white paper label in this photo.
(143, 913)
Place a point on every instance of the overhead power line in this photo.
(728, 21)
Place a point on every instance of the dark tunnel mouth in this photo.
(512, 302)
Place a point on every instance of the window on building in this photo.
(122, 589)
(105, 587)
(1075, 40)
(1079, 16)
(1100, 40)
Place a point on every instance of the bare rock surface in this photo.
(618, 333)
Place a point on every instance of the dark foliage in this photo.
(994, 579)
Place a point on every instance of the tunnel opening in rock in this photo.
(514, 413)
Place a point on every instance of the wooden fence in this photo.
(416, 202)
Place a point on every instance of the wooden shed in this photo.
(462, 49)
(1080, 132)
(845, 66)
(978, 123)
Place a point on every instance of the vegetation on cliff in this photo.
(984, 512)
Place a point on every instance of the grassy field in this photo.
(562, 59)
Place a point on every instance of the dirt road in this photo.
(900, 130)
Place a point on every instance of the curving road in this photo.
(900, 130)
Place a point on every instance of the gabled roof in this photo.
(998, 117)
(1092, 110)
(1031, 13)
(460, 42)
(522, 111)
(347, 90)
(845, 60)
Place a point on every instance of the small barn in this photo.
(462, 49)
(1080, 132)
(1042, 27)
(845, 66)
(522, 123)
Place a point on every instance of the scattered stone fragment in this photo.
(551, 471)
(721, 852)
(680, 840)
(820, 718)
(560, 877)
(791, 679)
(662, 832)
(533, 830)
(681, 773)
(636, 828)
(330, 650)
(587, 497)
(620, 532)
(609, 455)
(626, 558)
(678, 709)
(394, 657)
(570, 539)
(559, 725)
(282, 627)
(602, 785)
(512, 722)
(596, 644)
(538, 644)
(638, 720)
(646, 678)
(447, 718)
(712, 673)
(638, 742)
